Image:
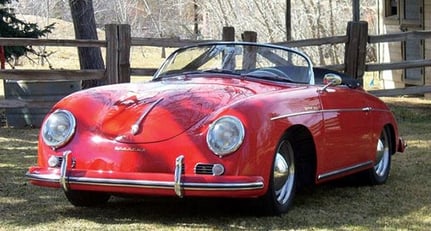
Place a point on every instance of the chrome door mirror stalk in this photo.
(331, 79)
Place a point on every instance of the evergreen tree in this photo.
(11, 26)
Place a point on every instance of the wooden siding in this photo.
(391, 52)
(427, 26)
(396, 51)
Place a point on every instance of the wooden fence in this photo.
(118, 42)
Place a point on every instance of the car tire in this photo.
(380, 172)
(86, 198)
(282, 183)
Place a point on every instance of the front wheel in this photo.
(86, 198)
(282, 182)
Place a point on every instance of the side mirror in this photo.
(332, 79)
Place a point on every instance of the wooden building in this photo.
(397, 16)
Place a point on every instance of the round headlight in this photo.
(225, 135)
(58, 128)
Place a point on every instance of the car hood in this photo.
(150, 112)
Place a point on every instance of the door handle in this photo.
(366, 109)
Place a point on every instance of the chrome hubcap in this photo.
(382, 155)
(284, 173)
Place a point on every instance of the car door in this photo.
(347, 128)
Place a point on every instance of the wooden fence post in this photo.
(356, 49)
(118, 40)
(111, 32)
(124, 40)
(228, 33)
(249, 36)
(250, 53)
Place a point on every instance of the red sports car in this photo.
(226, 119)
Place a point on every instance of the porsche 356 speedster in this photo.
(223, 119)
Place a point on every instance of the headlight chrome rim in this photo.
(237, 128)
(57, 139)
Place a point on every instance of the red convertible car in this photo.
(224, 119)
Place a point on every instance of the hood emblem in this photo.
(135, 127)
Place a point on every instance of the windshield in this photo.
(253, 60)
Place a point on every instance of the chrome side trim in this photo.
(365, 109)
(63, 170)
(344, 170)
(177, 175)
(295, 114)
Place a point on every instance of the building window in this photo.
(391, 7)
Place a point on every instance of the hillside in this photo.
(67, 57)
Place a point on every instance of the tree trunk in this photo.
(85, 28)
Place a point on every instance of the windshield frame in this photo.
(161, 72)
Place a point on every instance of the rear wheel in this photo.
(380, 172)
(86, 198)
(282, 183)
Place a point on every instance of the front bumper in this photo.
(69, 178)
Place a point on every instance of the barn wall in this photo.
(389, 52)
(427, 26)
(393, 52)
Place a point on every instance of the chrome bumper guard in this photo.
(63, 171)
(177, 175)
(177, 185)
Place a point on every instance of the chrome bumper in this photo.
(177, 184)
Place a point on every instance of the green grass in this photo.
(403, 203)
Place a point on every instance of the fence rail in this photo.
(14, 74)
(52, 42)
(399, 37)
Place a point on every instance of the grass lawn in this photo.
(403, 203)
